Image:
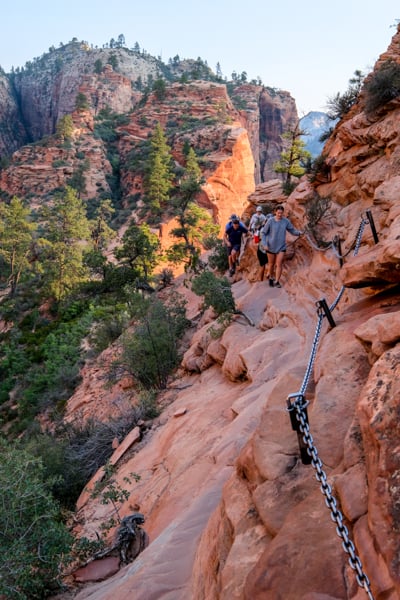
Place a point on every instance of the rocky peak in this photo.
(47, 87)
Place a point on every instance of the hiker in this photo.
(256, 222)
(233, 238)
(232, 218)
(273, 240)
(262, 259)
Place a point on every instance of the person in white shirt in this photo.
(256, 222)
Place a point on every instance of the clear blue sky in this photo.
(309, 48)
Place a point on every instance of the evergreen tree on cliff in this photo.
(66, 229)
(16, 238)
(294, 158)
(194, 222)
(158, 181)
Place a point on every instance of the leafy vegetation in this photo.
(216, 292)
(33, 541)
(159, 176)
(151, 351)
(383, 86)
(194, 223)
(293, 159)
(340, 104)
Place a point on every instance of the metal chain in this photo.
(356, 243)
(359, 236)
(332, 246)
(312, 355)
(299, 405)
(330, 501)
(315, 246)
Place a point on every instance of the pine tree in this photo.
(65, 127)
(140, 249)
(16, 238)
(194, 222)
(293, 158)
(158, 181)
(101, 233)
(66, 229)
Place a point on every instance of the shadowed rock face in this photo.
(12, 131)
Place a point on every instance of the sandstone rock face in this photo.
(40, 169)
(278, 114)
(231, 509)
(12, 132)
(47, 87)
(266, 114)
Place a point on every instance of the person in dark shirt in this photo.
(233, 238)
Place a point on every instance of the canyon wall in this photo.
(231, 508)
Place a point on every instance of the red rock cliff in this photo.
(231, 510)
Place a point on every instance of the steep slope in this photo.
(231, 510)
(119, 79)
(12, 131)
(47, 87)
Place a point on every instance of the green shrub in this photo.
(340, 104)
(319, 170)
(33, 540)
(108, 330)
(383, 86)
(216, 291)
(218, 258)
(151, 353)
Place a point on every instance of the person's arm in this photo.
(264, 233)
(292, 229)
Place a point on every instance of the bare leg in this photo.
(271, 265)
(234, 257)
(279, 261)
(262, 271)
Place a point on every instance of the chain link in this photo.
(330, 500)
(330, 245)
(299, 405)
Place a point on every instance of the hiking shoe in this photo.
(277, 284)
(271, 282)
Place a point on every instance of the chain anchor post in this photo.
(323, 304)
(299, 406)
(372, 224)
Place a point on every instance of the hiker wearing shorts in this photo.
(273, 239)
(233, 238)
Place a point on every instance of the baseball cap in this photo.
(258, 209)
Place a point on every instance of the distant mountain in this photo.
(315, 124)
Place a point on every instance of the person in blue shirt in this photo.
(232, 218)
(273, 240)
(233, 239)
